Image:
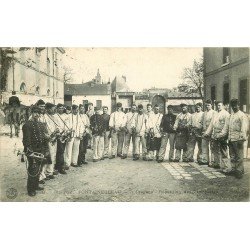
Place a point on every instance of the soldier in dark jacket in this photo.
(97, 127)
(35, 140)
(168, 134)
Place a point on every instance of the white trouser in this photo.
(68, 152)
(72, 151)
(75, 151)
(98, 147)
(48, 169)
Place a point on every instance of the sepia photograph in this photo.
(141, 124)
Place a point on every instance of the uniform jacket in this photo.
(219, 126)
(117, 120)
(129, 121)
(140, 124)
(207, 119)
(154, 123)
(106, 119)
(85, 123)
(238, 126)
(50, 122)
(34, 138)
(97, 124)
(167, 123)
(61, 121)
(196, 120)
(182, 121)
(77, 126)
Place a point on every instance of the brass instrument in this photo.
(54, 136)
(66, 135)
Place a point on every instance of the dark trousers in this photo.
(34, 170)
(60, 155)
(82, 150)
(236, 155)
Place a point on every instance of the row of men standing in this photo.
(69, 131)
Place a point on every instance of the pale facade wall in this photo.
(36, 71)
(106, 99)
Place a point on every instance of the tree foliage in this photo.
(193, 79)
(67, 75)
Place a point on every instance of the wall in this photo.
(35, 71)
(213, 57)
(106, 99)
(231, 75)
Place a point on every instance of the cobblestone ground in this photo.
(121, 180)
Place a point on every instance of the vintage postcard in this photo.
(124, 124)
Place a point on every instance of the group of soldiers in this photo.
(56, 137)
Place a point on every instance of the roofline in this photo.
(61, 49)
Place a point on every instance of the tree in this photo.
(67, 75)
(193, 80)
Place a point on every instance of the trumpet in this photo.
(65, 135)
(54, 136)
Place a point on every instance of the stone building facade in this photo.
(227, 75)
(33, 73)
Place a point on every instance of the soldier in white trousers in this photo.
(207, 156)
(117, 130)
(238, 126)
(218, 130)
(195, 133)
(140, 125)
(129, 132)
(72, 150)
(53, 131)
(153, 124)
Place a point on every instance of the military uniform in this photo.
(97, 127)
(74, 142)
(117, 123)
(195, 134)
(68, 145)
(140, 125)
(106, 119)
(181, 128)
(35, 140)
(48, 169)
(238, 126)
(168, 134)
(129, 133)
(218, 129)
(206, 142)
(83, 118)
(60, 119)
(154, 122)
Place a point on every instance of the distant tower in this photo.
(98, 78)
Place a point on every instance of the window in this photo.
(48, 92)
(22, 87)
(99, 103)
(243, 95)
(57, 94)
(213, 93)
(37, 90)
(225, 55)
(85, 104)
(56, 62)
(226, 93)
(38, 52)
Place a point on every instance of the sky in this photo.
(143, 67)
